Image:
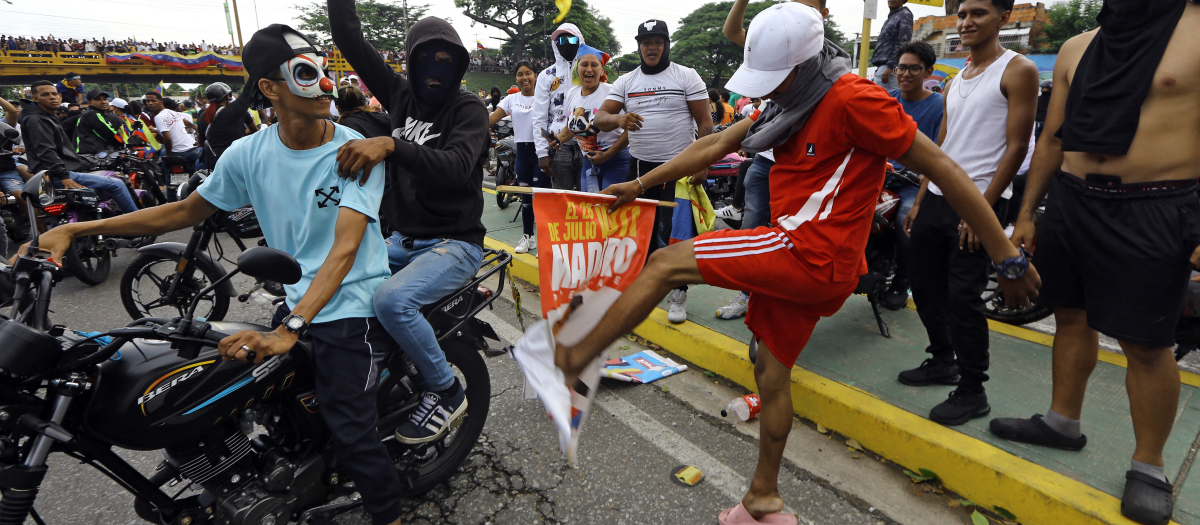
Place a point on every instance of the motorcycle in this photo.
(881, 244)
(250, 436)
(502, 161)
(137, 167)
(89, 258)
(168, 276)
(722, 181)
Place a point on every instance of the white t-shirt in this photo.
(172, 121)
(580, 112)
(661, 100)
(519, 109)
(748, 110)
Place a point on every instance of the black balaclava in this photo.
(652, 28)
(429, 68)
(568, 51)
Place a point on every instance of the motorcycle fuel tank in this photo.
(150, 398)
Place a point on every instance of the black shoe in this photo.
(960, 407)
(437, 413)
(896, 298)
(930, 373)
(1147, 499)
(1035, 432)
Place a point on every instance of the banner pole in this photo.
(529, 190)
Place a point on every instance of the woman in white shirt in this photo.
(605, 153)
(519, 106)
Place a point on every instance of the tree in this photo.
(382, 22)
(528, 22)
(700, 45)
(835, 35)
(173, 90)
(628, 61)
(1068, 19)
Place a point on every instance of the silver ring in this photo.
(246, 348)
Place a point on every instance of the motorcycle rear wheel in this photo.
(151, 276)
(87, 261)
(429, 464)
(995, 309)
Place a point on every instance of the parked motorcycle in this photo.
(89, 258)
(167, 277)
(138, 168)
(881, 244)
(251, 437)
(502, 161)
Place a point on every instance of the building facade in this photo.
(1019, 34)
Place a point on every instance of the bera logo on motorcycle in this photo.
(182, 374)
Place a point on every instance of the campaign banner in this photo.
(588, 257)
(587, 248)
(171, 59)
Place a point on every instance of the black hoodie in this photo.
(97, 131)
(435, 175)
(46, 144)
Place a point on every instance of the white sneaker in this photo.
(736, 308)
(527, 242)
(729, 213)
(677, 306)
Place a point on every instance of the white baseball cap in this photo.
(779, 38)
(118, 102)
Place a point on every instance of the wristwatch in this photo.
(1013, 268)
(296, 325)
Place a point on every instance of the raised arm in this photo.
(347, 32)
(734, 29)
(348, 234)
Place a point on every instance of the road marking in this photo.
(716, 473)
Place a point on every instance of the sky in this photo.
(195, 20)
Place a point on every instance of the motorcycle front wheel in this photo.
(428, 464)
(87, 260)
(505, 177)
(147, 281)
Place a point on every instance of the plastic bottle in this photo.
(746, 407)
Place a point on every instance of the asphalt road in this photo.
(516, 475)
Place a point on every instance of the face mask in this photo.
(427, 67)
(568, 46)
(305, 74)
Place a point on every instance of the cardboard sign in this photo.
(586, 247)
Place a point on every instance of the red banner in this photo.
(583, 247)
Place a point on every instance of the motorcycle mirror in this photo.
(42, 186)
(8, 132)
(269, 264)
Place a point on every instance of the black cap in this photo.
(95, 93)
(265, 52)
(652, 27)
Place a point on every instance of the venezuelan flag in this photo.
(479, 45)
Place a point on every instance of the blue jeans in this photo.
(115, 188)
(907, 194)
(611, 172)
(758, 194)
(10, 182)
(529, 174)
(423, 272)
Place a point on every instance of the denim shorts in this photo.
(10, 181)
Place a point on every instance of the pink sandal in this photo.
(739, 516)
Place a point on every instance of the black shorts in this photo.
(1121, 252)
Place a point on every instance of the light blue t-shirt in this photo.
(927, 113)
(297, 195)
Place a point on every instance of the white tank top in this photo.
(977, 124)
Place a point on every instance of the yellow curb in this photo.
(1185, 377)
(968, 466)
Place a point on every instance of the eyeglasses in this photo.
(914, 70)
(566, 40)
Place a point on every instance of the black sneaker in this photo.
(960, 407)
(896, 298)
(930, 373)
(437, 413)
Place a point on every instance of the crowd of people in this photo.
(819, 142)
(500, 64)
(72, 46)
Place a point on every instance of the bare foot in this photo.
(759, 506)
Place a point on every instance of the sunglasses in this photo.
(567, 40)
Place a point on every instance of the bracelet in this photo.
(639, 181)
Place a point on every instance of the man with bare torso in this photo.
(1119, 240)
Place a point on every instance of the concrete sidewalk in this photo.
(846, 380)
